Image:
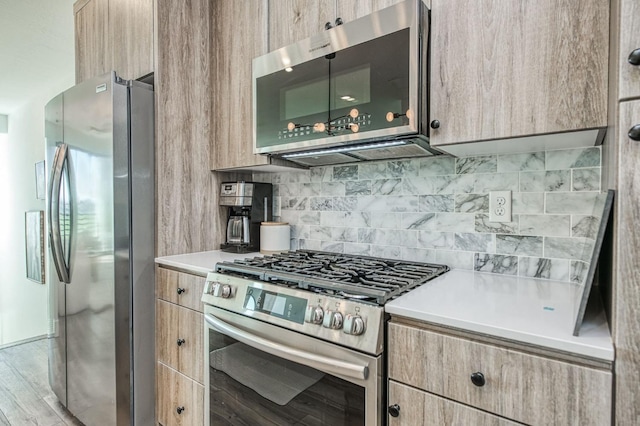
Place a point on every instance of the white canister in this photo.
(274, 237)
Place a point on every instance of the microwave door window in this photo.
(290, 103)
(370, 85)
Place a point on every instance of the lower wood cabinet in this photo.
(422, 408)
(179, 339)
(179, 348)
(510, 383)
(180, 400)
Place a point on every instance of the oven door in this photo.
(261, 374)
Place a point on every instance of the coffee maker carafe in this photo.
(249, 204)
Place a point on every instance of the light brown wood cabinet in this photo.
(113, 35)
(419, 407)
(626, 266)
(131, 37)
(91, 38)
(502, 70)
(179, 348)
(510, 383)
(180, 400)
(179, 335)
(629, 75)
(293, 20)
(235, 42)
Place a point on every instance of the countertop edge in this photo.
(582, 349)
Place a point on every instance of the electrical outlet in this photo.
(276, 206)
(500, 206)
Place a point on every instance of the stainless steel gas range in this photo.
(298, 337)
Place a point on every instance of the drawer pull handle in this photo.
(634, 57)
(634, 133)
(181, 290)
(435, 124)
(180, 342)
(394, 410)
(477, 379)
(179, 410)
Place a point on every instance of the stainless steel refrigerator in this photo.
(100, 222)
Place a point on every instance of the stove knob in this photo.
(353, 324)
(222, 290)
(314, 315)
(333, 320)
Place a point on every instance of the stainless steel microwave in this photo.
(353, 92)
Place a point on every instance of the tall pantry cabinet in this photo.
(621, 156)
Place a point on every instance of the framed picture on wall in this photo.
(40, 185)
(34, 242)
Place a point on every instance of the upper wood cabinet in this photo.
(504, 70)
(131, 37)
(235, 42)
(91, 38)
(113, 35)
(293, 20)
(629, 74)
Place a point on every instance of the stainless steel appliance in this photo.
(249, 204)
(354, 92)
(100, 210)
(298, 337)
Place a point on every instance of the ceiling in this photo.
(36, 48)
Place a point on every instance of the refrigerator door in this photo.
(57, 319)
(90, 320)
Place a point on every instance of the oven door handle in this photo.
(320, 362)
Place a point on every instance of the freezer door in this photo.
(90, 321)
(56, 289)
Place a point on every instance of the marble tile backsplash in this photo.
(436, 209)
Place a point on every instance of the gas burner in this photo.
(347, 276)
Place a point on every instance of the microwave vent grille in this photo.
(402, 151)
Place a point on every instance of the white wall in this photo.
(23, 303)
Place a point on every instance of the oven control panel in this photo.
(351, 323)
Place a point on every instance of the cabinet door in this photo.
(180, 400)
(179, 339)
(422, 408)
(509, 69)
(180, 288)
(91, 38)
(526, 388)
(627, 217)
(348, 10)
(235, 43)
(629, 42)
(131, 36)
(294, 20)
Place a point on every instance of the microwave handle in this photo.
(320, 362)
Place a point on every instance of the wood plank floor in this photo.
(25, 395)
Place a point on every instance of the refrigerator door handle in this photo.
(55, 236)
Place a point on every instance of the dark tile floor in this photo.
(25, 395)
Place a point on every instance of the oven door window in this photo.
(350, 91)
(248, 386)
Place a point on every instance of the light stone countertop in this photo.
(526, 310)
(203, 262)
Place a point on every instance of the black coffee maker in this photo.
(249, 204)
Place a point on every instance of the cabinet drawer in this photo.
(180, 288)
(179, 339)
(180, 400)
(519, 386)
(422, 408)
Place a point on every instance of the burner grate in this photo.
(349, 276)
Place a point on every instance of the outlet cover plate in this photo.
(500, 206)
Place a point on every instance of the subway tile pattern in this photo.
(436, 209)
